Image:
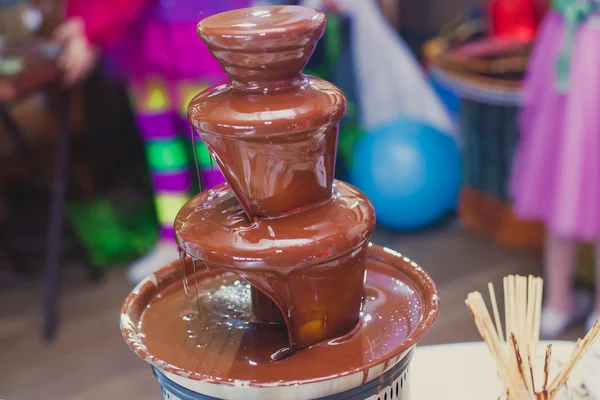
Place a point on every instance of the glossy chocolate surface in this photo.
(399, 306)
(277, 152)
(280, 284)
(212, 227)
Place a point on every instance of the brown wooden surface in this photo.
(90, 360)
(493, 218)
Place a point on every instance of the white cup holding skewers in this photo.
(516, 357)
(542, 376)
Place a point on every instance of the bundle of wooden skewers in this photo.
(515, 348)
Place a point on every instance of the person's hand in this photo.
(78, 57)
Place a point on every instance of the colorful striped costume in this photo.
(153, 45)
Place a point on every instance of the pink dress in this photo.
(556, 171)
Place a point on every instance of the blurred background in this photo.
(434, 147)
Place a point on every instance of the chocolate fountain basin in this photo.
(400, 305)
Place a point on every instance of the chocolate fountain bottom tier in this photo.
(400, 303)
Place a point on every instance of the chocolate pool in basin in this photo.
(278, 293)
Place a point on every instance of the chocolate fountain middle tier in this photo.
(310, 263)
(277, 150)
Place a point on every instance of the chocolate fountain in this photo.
(278, 292)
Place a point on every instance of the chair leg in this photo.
(55, 227)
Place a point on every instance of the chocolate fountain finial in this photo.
(263, 48)
(276, 142)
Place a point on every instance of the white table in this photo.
(467, 371)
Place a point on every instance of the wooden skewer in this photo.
(510, 322)
(477, 306)
(531, 298)
(515, 346)
(515, 379)
(531, 367)
(506, 307)
(521, 282)
(559, 377)
(523, 328)
(531, 295)
(547, 368)
(537, 312)
(539, 291)
(496, 354)
(580, 349)
(517, 309)
(512, 305)
(529, 284)
(495, 310)
(516, 363)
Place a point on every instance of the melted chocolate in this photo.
(212, 227)
(276, 151)
(280, 223)
(228, 345)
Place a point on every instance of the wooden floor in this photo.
(89, 359)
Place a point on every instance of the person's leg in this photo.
(168, 163)
(562, 305)
(560, 257)
(210, 175)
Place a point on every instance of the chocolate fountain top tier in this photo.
(263, 47)
(212, 227)
(271, 130)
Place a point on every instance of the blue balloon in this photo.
(410, 171)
